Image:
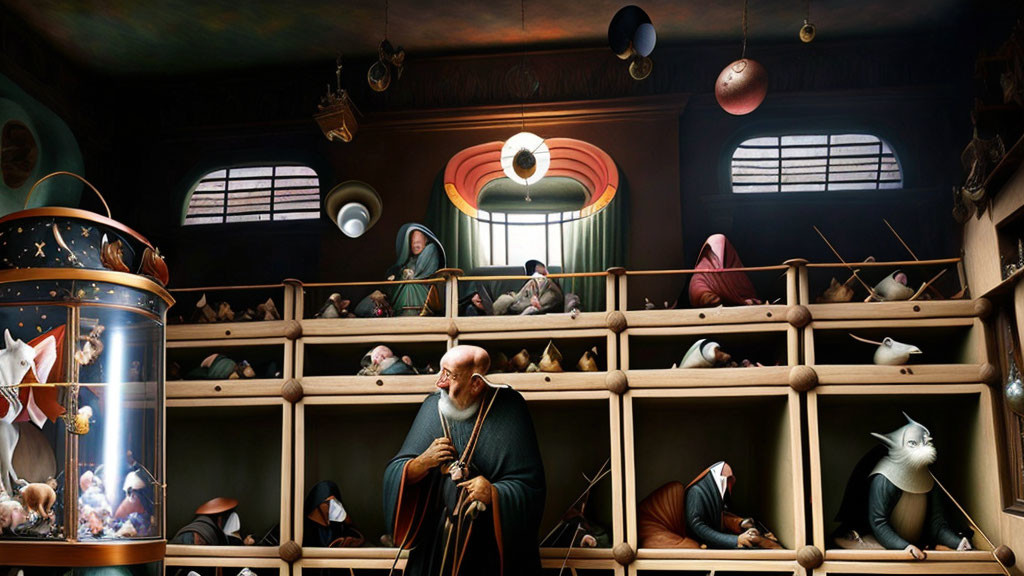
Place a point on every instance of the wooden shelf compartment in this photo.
(224, 565)
(327, 365)
(962, 420)
(577, 431)
(571, 343)
(953, 351)
(674, 435)
(776, 285)
(311, 297)
(649, 353)
(232, 447)
(261, 353)
(240, 298)
(814, 278)
(592, 316)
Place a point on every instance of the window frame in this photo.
(198, 174)
(828, 133)
(485, 218)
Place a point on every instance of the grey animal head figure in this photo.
(910, 445)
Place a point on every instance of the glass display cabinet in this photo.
(82, 311)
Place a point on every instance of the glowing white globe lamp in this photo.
(525, 158)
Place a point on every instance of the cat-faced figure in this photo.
(16, 359)
(910, 446)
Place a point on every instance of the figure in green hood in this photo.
(419, 255)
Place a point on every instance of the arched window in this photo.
(516, 223)
(255, 194)
(815, 163)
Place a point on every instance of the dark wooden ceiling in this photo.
(185, 36)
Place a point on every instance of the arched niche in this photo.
(33, 143)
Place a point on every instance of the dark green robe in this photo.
(504, 538)
(704, 512)
(408, 299)
(870, 498)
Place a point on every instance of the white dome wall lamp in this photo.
(354, 207)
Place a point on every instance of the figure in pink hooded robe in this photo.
(716, 288)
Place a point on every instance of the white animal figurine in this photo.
(703, 354)
(16, 359)
(890, 352)
(894, 287)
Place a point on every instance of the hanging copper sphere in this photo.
(807, 32)
(741, 87)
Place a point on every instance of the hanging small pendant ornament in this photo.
(457, 470)
(807, 31)
(379, 74)
(743, 84)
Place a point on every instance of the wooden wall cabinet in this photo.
(792, 428)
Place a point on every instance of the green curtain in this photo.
(594, 244)
(591, 244)
(458, 233)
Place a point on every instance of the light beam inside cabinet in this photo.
(113, 451)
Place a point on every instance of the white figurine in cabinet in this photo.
(890, 352)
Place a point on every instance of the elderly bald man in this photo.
(466, 491)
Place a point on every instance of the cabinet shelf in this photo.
(237, 388)
(707, 316)
(181, 555)
(912, 374)
(894, 310)
(374, 326)
(709, 377)
(558, 321)
(227, 330)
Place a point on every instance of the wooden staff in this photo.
(928, 284)
(871, 291)
(973, 523)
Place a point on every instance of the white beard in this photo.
(453, 412)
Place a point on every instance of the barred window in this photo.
(255, 194)
(815, 163)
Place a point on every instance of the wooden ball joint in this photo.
(293, 330)
(802, 378)
(617, 382)
(809, 557)
(1005, 556)
(616, 321)
(983, 308)
(798, 316)
(623, 554)
(292, 391)
(290, 551)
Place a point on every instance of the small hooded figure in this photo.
(216, 524)
(892, 502)
(327, 523)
